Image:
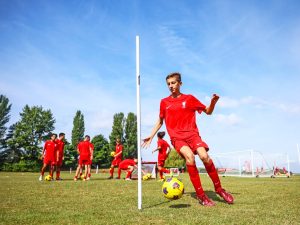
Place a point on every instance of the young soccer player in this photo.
(117, 158)
(59, 154)
(128, 165)
(48, 156)
(163, 149)
(178, 112)
(91, 162)
(85, 155)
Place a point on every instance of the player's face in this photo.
(174, 85)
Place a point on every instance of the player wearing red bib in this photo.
(163, 149)
(85, 156)
(128, 165)
(48, 156)
(117, 158)
(178, 112)
(59, 154)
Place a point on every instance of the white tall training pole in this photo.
(138, 111)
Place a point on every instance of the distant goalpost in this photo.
(250, 163)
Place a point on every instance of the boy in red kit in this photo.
(129, 165)
(178, 112)
(117, 158)
(59, 154)
(85, 156)
(48, 156)
(91, 162)
(163, 149)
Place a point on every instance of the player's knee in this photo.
(204, 158)
(190, 159)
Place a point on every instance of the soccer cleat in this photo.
(88, 178)
(161, 180)
(206, 201)
(58, 178)
(41, 178)
(128, 179)
(118, 178)
(110, 177)
(75, 178)
(225, 195)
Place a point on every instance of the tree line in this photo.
(21, 143)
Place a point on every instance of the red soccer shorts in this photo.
(84, 161)
(116, 162)
(193, 143)
(49, 161)
(161, 163)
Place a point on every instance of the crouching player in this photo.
(128, 165)
(117, 158)
(163, 149)
(85, 156)
(48, 156)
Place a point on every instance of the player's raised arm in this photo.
(147, 141)
(209, 109)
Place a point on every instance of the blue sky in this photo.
(80, 55)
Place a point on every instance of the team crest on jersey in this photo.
(183, 104)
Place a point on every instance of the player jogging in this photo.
(48, 156)
(59, 154)
(163, 149)
(91, 162)
(117, 158)
(178, 112)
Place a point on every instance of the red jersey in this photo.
(125, 163)
(60, 147)
(163, 147)
(179, 115)
(119, 148)
(84, 150)
(49, 152)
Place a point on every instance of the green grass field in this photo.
(25, 200)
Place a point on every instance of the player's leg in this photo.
(213, 174)
(119, 173)
(129, 171)
(111, 171)
(43, 171)
(85, 171)
(79, 167)
(189, 156)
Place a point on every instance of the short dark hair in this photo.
(87, 136)
(175, 74)
(61, 134)
(161, 134)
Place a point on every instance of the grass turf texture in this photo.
(25, 200)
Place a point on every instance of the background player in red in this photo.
(163, 149)
(178, 112)
(128, 165)
(48, 156)
(91, 162)
(117, 158)
(85, 155)
(59, 154)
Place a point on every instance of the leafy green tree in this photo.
(70, 155)
(130, 143)
(101, 151)
(33, 128)
(12, 153)
(117, 130)
(78, 129)
(4, 118)
(174, 160)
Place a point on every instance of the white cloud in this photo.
(230, 119)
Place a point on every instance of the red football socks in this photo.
(195, 179)
(213, 174)
(128, 174)
(111, 170)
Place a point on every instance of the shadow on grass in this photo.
(152, 206)
(180, 206)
